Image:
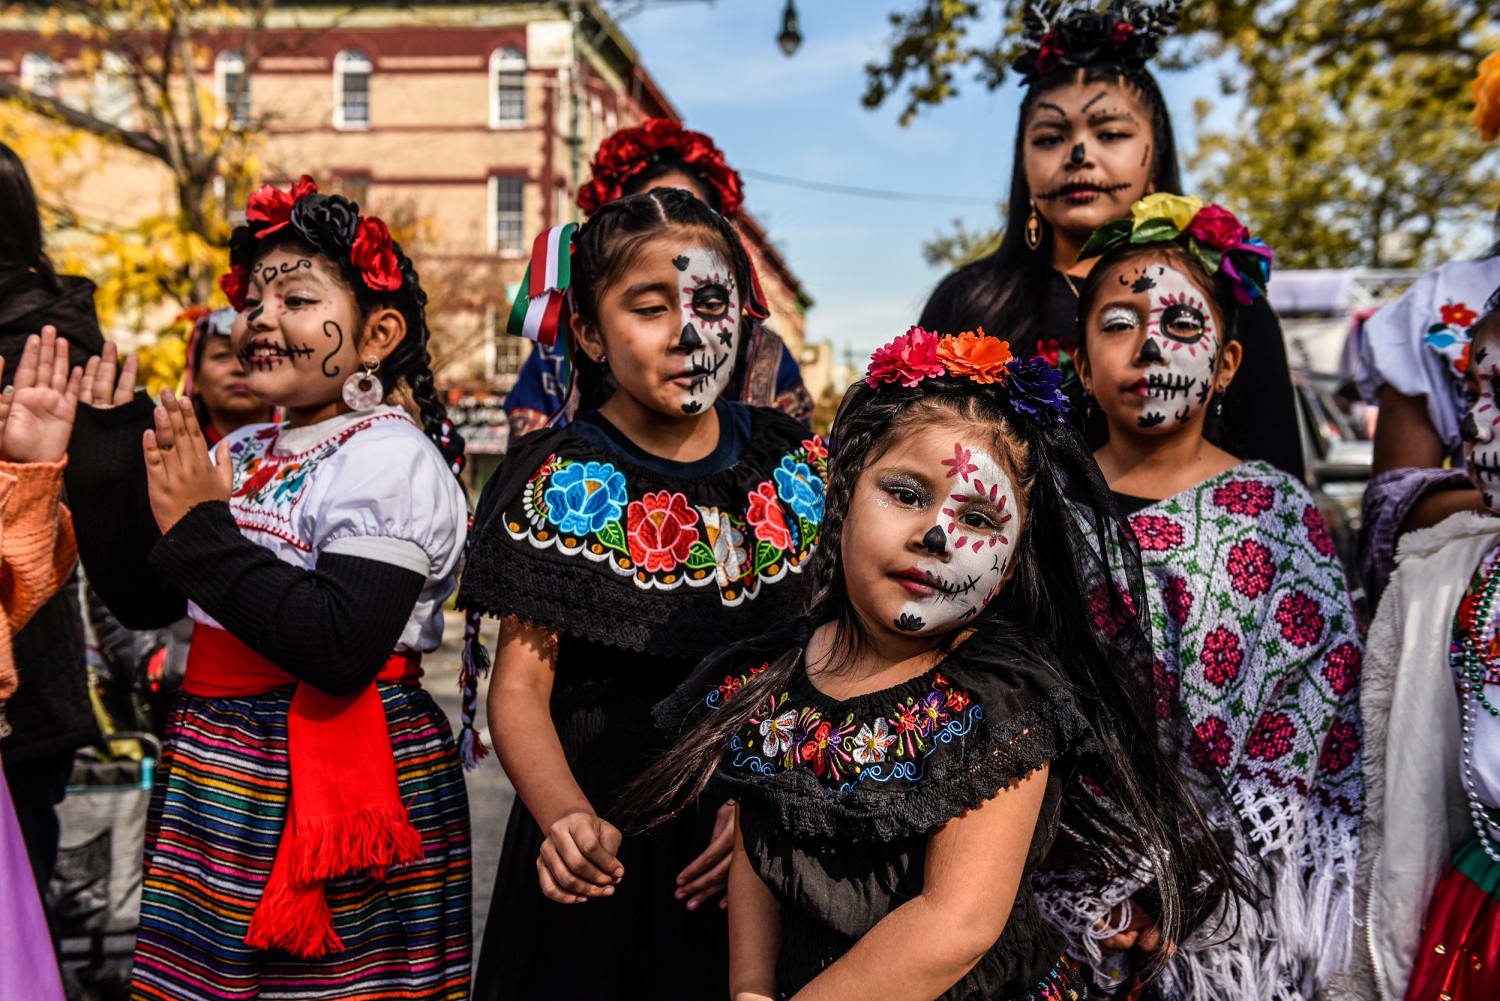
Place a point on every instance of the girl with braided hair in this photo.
(617, 552)
(903, 756)
(309, 832)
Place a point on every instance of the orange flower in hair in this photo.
(974, 355)
(1487, 97)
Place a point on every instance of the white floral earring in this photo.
(362, 390)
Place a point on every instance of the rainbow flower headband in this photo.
(1032, 387)
(1211, 233)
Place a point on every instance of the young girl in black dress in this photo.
(617, 552)
(901, 758)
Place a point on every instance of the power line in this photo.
(848, 189)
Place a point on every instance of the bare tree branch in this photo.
(56, 110)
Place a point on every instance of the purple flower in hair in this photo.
(1034, 388)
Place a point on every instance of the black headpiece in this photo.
(1064, 33)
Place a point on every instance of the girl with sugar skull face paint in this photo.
(1480, 427)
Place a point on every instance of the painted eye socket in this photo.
(711, 303)
(904, 495)
(1118, 318)
(1182, 322)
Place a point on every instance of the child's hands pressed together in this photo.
(179, 473)
(577, 860)
(37, 411)
(708, 874)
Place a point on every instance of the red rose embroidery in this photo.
(1456, 314)
(1250, 567)
(1221, 656)
(1271, 738)
(1213, 745)
(816, 448)
(374, 255)
(1342, 666)
(1340, 747)
(1317, 530)
(274, 207)
(233, 284)
(1247, 497)
(1156, 533)
(766, 515)
(661, 530)
(1178, 599)
(1300, 618)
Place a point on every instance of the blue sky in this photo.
(859, 258)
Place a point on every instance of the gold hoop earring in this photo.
(1033, 228)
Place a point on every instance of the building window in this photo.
(507, 193)
(40, 74)
(507, 88)
(351, 89)
(113, 98)
(234, 87)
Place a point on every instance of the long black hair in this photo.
(326, 224)
(21, 236)
(1005, 291)
(607, 245)
(1076, 601)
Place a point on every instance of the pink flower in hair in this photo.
(908, 359)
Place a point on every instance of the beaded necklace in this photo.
(1472, 664)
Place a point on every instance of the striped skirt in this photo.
(215, 822)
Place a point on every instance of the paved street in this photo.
(490, 793)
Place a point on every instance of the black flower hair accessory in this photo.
(1064, 33)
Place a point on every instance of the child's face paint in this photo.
(931, 532)
(296, 340)
(1481, 425)
(671, 326)
(1153, 346)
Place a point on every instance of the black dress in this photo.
(1260, 415)
(643, 566)
(838, 798)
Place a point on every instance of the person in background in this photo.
(217, 380)
(1412, 361)
(662, 154)
(50, 716)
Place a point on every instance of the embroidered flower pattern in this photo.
(1340, 747)
(1213, 747)
(1317, 530)
(1449, 336)
(1271, 738)
(1342, 665)
(661, 540)
(844, 749)
(1178, 599)
(1248, 497)
(1222, 656)
(1300, 618)
(1250, 567)
(1156, 533)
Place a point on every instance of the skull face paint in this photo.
(1180, 349)
(969, 546)
(1481, 425)
(710, 331)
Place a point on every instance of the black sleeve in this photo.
(112, 519)
(1259, 407)
(333, 626)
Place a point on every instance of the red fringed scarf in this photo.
(345, 814)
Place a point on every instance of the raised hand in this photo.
(179, 473)
(101, 388)
(41, 401)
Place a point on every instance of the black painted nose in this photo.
(1151, 351)
(935, 541)
(689, 341)
(1471, 431)
(1075, 157)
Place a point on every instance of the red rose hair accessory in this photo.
(273, 207)
(374, 255)
(629, 151)
(233, 284)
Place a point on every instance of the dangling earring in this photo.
(362, 391)
(1033, 228)
(1219, 407)
(602, 358)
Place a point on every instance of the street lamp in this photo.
(791, 35)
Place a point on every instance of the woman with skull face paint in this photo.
(1254, 628)
(616, 552)
(659, 153)
(309, 833)
(1094, 137)
(902, 758)
(1432, 732)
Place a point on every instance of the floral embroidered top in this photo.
(578, 534)
(838, 797)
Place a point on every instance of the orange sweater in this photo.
(37, 551)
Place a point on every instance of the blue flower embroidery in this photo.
(585, 496)
(800, 488)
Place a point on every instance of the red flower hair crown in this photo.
(629, 151)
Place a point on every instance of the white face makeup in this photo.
(710, 325)
(1481, 426)
(971, 542)
(1181, 346)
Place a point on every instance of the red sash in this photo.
(344, 814)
